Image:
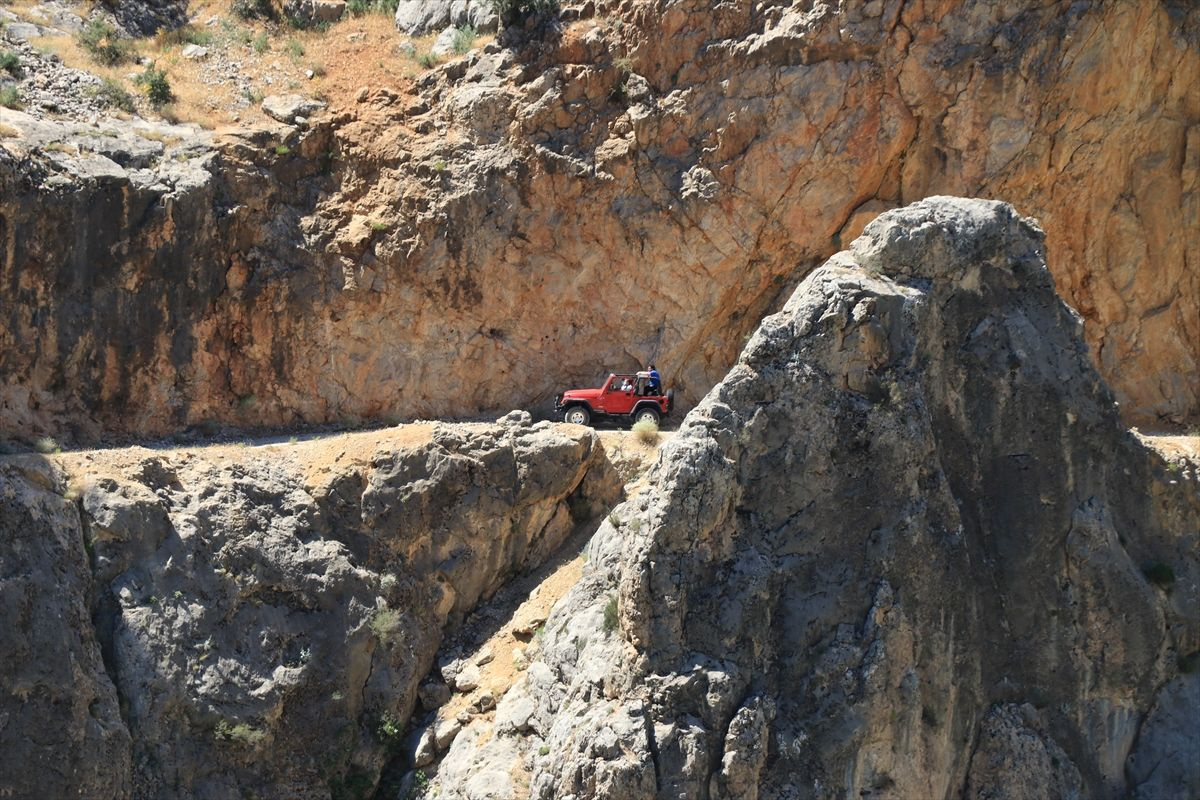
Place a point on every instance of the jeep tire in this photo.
(645, 413)
(577, 415)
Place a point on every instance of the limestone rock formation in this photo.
(906, 548)
(643, 180)
(258, 623)
(420, 17)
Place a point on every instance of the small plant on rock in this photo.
(104, 44)
(389, 730)
(47, 445)
(610, 615)
(239, 733)
(385, 623)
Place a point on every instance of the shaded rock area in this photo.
(906, 548)
(257, 621)
(631, 183)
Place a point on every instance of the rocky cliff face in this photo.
(255, 622)
(905, 548)
(644, 180)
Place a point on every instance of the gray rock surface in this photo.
(315, 12)
(287, 107)
(898, 552)
(421, 17)
(265, 620)
(61, 733)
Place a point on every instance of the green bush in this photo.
(10, 97)
(104, 44)
(113, 95)
(464, 39)
(10, 62)
(158, 89)
(261, 44)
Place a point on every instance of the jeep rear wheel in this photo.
(645, 414)
(577, 415)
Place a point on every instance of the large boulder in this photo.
(897, 551)
(421, 17)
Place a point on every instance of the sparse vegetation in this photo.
(378, 226)
(282, 149)
(8, 132)
(10, 97)
(646, 431)
(428, 60)
(385, 623)
(1160, 575)
(544, 750)
(294, 48)
(358, 8)
(610, 615)
(464, 39)
(254, 9)
(261, 43)
(46, 445)
(104, 44)
(515, 12)
(389, 730)
(239, 733)
(188, 34)
(420, 786)
(113, 94)
(155, 84)
(10, 62)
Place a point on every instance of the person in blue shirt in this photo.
(655, 386)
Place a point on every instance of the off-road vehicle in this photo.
(625, 398)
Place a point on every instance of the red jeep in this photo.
(629, 398)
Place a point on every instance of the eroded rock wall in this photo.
(905, 548)
(256, 622)
(643, 181)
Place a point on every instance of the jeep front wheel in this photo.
(644, 415)
(577, 415)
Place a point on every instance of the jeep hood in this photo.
(582, 394)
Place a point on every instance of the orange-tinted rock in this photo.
(534, 218)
